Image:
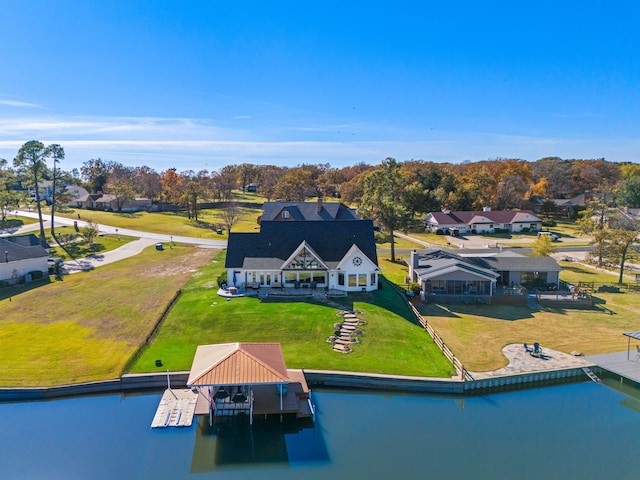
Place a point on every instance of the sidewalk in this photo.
(145, 239)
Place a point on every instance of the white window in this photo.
(285, 214)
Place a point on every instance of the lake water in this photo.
(570, 431)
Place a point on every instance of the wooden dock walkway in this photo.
(176, 409)
(620, 363)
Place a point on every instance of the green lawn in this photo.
(13, 222)
(80, 249)
(86, 327)
(171, 223)
(392, 344)
(477, 333)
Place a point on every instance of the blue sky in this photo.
(201, 84)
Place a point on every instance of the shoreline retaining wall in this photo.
(158, 381)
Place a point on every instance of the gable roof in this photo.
(276, 241)
(238, 364)
(308, 211)
(478, 216)
(435, 263)
(14, 251)
(27, 240)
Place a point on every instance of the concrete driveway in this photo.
(145, 239)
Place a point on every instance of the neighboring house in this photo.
(87, 201)
(45, 188)
(570, 206)
(307, 211)
(105, 201)
(485, 221)
(455, 277)
(21, 255)
(338, 255)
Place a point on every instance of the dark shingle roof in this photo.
(13, 251)
(308, 211)
(28, 240)
(510, 263)
(278, 240)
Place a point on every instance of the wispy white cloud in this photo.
(186, 143)
(16, 103)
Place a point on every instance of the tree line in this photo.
(394, 193)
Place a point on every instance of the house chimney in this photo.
(486, 209)
(414, 262)
(319, 204)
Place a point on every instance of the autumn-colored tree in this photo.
(171, 186)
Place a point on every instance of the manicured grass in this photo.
(477, 333)
(429, 237)
(13, 222)
(400, 244)
(170, 223)
(80, 249)
(87, 326)
(392, 343)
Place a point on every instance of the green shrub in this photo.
(36, 275)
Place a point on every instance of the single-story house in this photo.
(21, 255)
(305, 254)
(485, 221)
(448, 274)
(569, 206)
(106, 201)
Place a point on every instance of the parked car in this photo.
(551, 235)
(53, 261)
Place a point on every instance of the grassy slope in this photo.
(86, 327)
(392, 344)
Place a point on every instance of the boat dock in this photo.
(624, 364)
(266, 400)
(176, 409)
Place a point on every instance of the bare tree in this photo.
(231, 214)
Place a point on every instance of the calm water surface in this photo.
(582, 431)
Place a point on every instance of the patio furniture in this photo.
(527, 349)
(537, 351)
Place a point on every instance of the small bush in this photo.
(36, 275)
(415, 288)
(439, 231)
(549, 222)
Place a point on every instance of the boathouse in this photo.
(247, 379)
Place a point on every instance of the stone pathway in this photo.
(523, 362)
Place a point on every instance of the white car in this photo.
(551, 235)
(53, 261)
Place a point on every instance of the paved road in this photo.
(145, 239)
